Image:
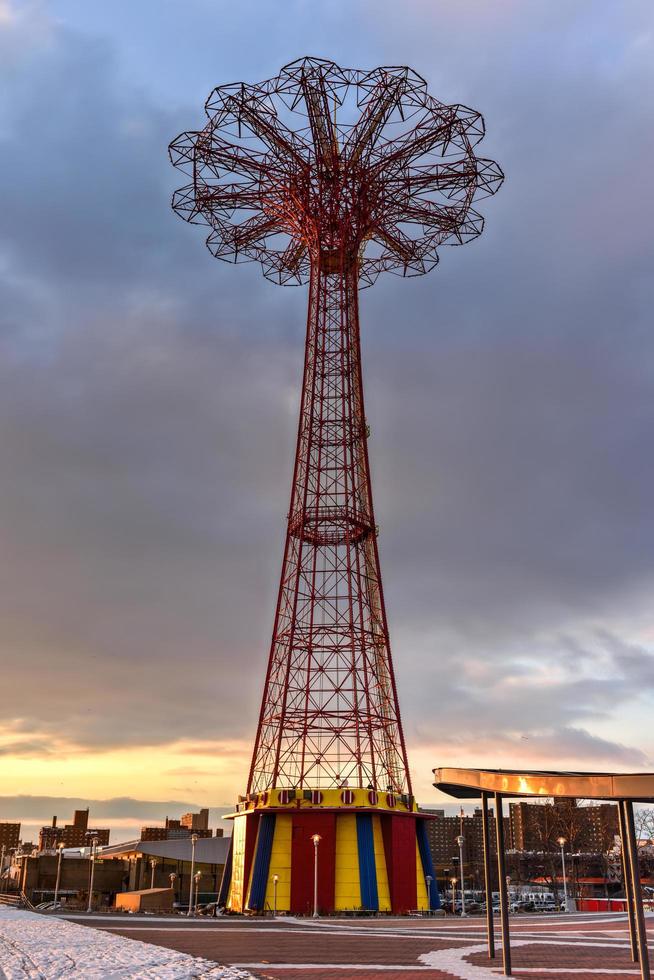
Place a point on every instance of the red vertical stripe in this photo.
(399, 833)
(305, 825)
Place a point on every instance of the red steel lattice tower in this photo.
(332, 176)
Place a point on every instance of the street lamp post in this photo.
(446, 878)
(275, 879)
(453, 884)
(94, 844)
(460, 841)
(576, 890)
(60, 848)
(11, 853)
(561, 843)
(153, 865)
(429, 880)
(197, 876)
(316, 840)
(194, 840)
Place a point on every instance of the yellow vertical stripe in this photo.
(383, 891)
(347, 892)
(280, 864)
(420, 881)
(235, 902)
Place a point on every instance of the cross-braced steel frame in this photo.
(332, 176)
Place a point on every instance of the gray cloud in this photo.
(541, 696)
(148, 394)
(123, 815)
(35, 808)
(27, 747)
(549, 748)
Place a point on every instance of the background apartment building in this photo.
(75, 834)
(9, 836)
(189, 823)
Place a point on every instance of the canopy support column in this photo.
(637, 892)
(627, 879)
(488, 885)
(501, 874)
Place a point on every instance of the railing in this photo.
(609, 904)
(10, 899)
(18, 900)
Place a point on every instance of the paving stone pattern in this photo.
(548, 947)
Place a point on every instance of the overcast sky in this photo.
(148, 400)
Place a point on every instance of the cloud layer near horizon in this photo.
(148, 396)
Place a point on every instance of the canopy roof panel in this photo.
(467, 784)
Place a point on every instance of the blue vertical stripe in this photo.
(261, 862)
(367, 868)
(226, 879)
(427, 864)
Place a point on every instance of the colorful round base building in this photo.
(372, 854)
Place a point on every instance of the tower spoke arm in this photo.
(322, 126)
(253, 230)
(399, 244)
(449, 177)
(431, 215)
(227, 197)
(272, 133)
(368, 129)
(402, 152)
(294, 254)
(221, 157)
(460, 175)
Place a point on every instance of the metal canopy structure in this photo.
(624, 789)
(468, 784)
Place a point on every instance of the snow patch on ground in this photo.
(40, 947)
(455, 961)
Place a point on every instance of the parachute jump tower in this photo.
(330, 176)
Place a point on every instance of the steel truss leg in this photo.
(329, 714)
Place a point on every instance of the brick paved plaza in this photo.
(548, 947)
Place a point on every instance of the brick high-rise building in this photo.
(443, 831)
(9, 835)
(154, 833)
(599, 826)
(175, 828)
(196, 821)
(77, 834)
(189, 823)
(537, 826)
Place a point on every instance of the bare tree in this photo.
(644, 821)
